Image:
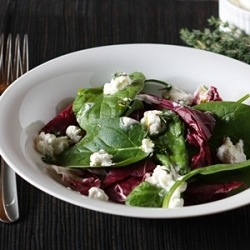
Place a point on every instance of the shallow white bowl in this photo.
(234, 12)
(36, 97)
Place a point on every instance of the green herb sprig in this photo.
(221, 38)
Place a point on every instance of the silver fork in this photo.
(11, 67)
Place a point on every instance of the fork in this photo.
(11, 67)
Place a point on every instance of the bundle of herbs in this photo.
(221, 38)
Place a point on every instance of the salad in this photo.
(119, 143)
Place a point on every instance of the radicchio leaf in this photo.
(59, 123)
(203, 193)
(199, 127)
(77, 180)
(119, 182)
(204, 94)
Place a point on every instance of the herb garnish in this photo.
(221, 38)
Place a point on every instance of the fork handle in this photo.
(9, 192)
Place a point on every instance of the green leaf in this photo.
(170, 147)
(92, 104)
(244, 98)
(209, 170)
(232, 120)
(134, 105)
(123, 142)
(145, 195)
(85, 96)
(167, 86)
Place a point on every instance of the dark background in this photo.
(57, 27)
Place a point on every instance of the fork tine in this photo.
(1, 53)
(17, 59)
(1, 62)
(5, 62)
(8, 64)
(25, 55)
(12, 63)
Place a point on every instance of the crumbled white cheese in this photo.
(126, 99)
(165, 179)
(118, 82)
(147, 146)
(178, 95)
(97, 193)
(230, 153)
(101, 158)
(74, 133)
(49, 144)
(152, 122)
(161, 178)
(126, 122)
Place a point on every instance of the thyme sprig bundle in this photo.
(221, 38)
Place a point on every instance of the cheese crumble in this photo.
(101, 159)
(98, 193)
(118, 82)
(165, 179)
(152, 122)
(230, 153)
(49, 144)
(147, 146)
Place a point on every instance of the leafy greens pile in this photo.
(187, 143)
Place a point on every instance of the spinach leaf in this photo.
(85, 96)
(123, 142)
(170, 147)
(145, 195)
(141, 195)
(135, 105)
(92, 104)
(232, 120)
(209, 170)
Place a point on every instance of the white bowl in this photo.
(236, 12)
(36, 97)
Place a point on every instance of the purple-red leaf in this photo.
(119, 182)
(210, 95)
(59, 123)
(199, 127)
(76, 179)
(203, 193)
